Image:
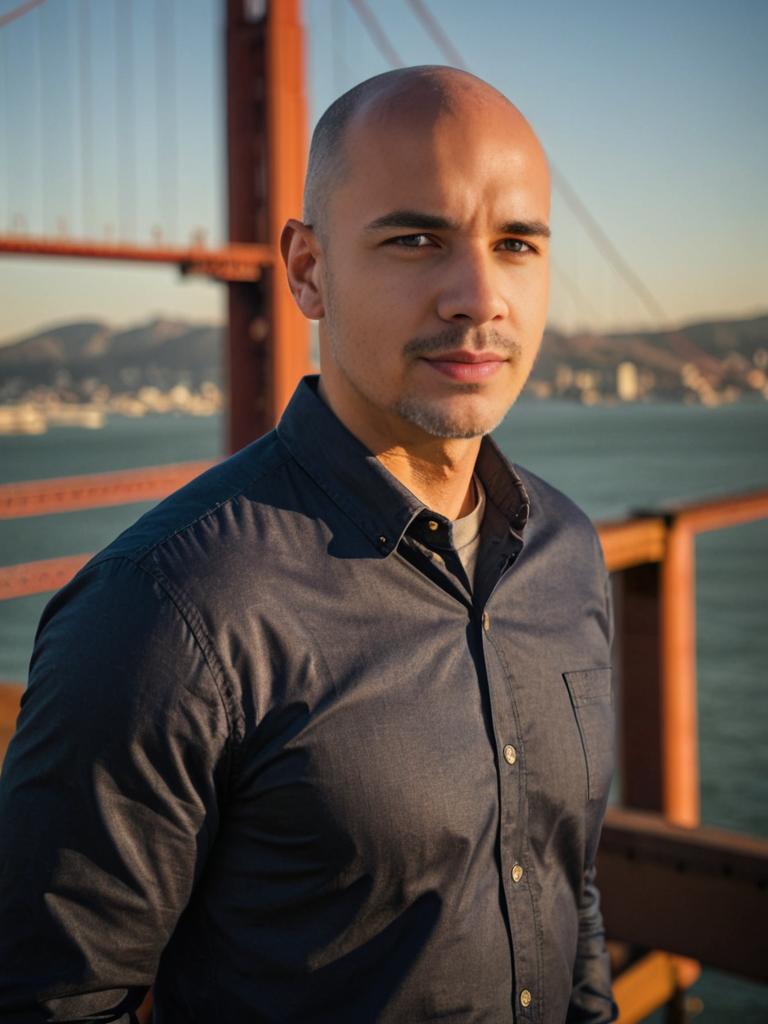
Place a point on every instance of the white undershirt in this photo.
(466, 533)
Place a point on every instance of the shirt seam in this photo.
(152, 546)
(191, 616)
(186, 612)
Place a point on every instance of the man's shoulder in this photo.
(553, 512)
(208, 504)
(552, 501)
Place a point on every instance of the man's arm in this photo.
(591, 1000)
(108, 800)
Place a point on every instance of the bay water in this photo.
(611, 460)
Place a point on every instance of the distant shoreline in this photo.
(33, 418)
(168, 366)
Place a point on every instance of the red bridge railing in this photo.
(666, 883)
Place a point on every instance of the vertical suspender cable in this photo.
(87, 196)
(63, 80)
(338, 45)
(165, 118)
(125, 121)
(48, 160)
(39, 121)
(5, 133)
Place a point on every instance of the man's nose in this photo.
(472, 289)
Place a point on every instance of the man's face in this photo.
(434, 274)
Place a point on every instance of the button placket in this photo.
(517, 892)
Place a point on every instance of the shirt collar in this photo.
(363, 488)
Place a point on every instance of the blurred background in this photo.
(652, 386)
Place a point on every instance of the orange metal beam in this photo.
(656, 620)
(96, 490)
(633, 542)
(722, 512)
(679, 728)
(645, 986)
(268, 340)
(642, 540)
(38, 577)
(286, 160)
(10, 696)
(695, 892)
(233, 262)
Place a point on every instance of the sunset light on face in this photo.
(650, 137)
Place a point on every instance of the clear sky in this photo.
(656, 114)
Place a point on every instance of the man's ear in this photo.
(300, 250)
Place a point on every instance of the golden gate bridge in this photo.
(674, 893)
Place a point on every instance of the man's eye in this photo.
(411, 241)
(515, 245)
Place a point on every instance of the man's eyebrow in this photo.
(531, 228)
(416, 219)
(411, 219)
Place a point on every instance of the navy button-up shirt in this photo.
(279, 760)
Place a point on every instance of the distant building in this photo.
(627, 384)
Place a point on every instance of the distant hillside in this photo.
(78, 355)
(704, 344)
(75, 358)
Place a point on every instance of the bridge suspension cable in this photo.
(17, 12)
(379, 37)
(435, 30)
(578, 208)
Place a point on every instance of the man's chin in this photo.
(444, 422)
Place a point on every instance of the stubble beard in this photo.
(437, 422)
(429, 414)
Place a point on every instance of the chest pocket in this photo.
(592, 700)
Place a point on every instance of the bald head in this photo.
(417, 97)
(424, 249)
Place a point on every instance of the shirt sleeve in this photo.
(109, 798)
(591, 999)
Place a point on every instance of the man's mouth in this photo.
(466, 366)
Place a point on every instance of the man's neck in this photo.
(437, 470)
(439, 474)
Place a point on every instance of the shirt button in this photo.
(486, 621)
(525, 997)
(510, 754)
(517, 873)
(433, 524)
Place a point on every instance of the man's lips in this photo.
(466, 366)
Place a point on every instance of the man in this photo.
(326, 736)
